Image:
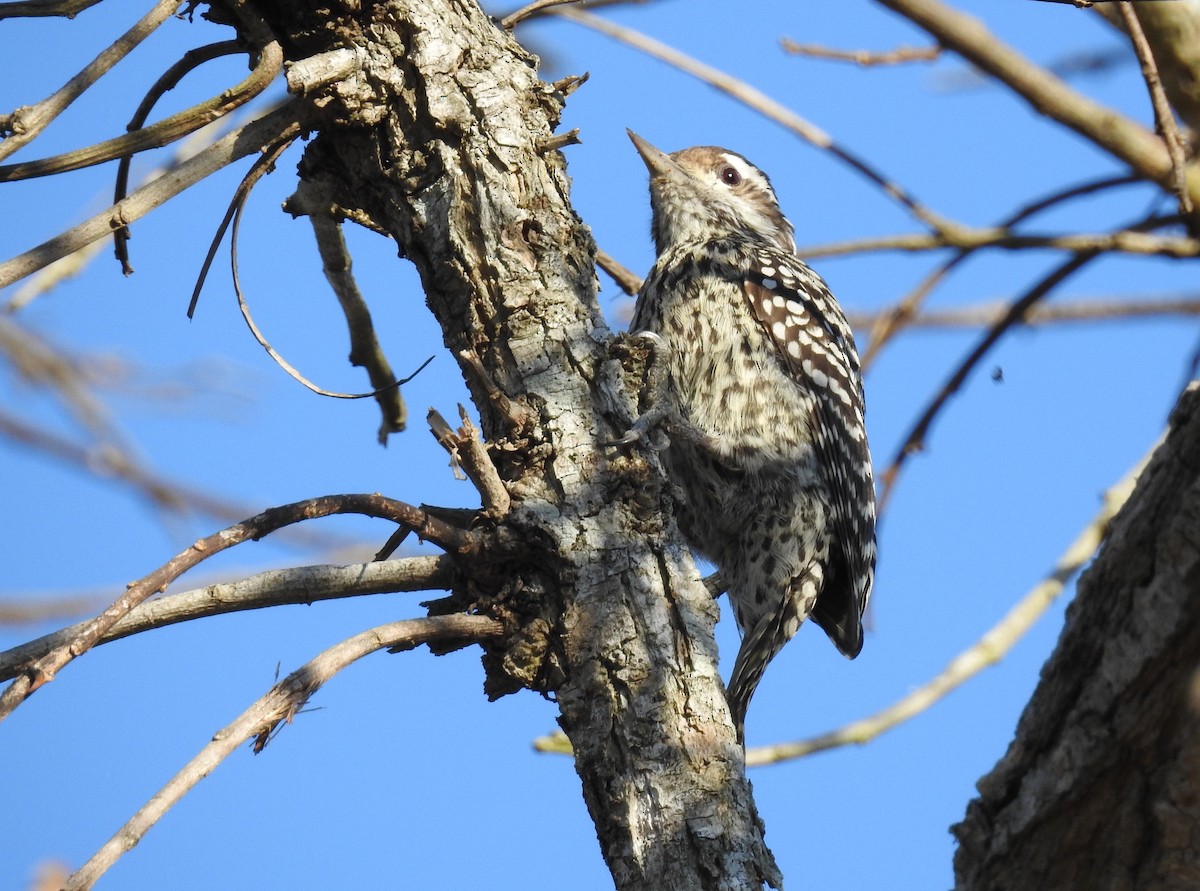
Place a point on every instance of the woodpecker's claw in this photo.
(645, 428)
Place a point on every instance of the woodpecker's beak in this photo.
(657, 162)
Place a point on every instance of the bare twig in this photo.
(262, 166)
(915, 440)
(191, 60)
(44, 670)
(1091, 310)
(44, 8)
(276, 587)
(1106, 128)
(511, 20)
(987, 651)
(890, 323)
(365, 350)
(1123, 242)
(627, 280)
(1163, 115)
(281, 703)
(25, 124)
(233, 146)
(758, 101)
(467, 450)
(865, 58)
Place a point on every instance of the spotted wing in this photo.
(814, 342)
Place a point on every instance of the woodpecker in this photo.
(760, 395)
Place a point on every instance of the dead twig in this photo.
(1163, 116)
(237, 144)
(450, 538)
(24, 124)
(865, 58)
(280, 704)
(468, 451)
(276, 587)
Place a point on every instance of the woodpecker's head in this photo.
(707, 192)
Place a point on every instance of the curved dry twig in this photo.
(166, 131)
(276, 587)
(280, 704)
(275, 125)
(987, 651)
(25, 124)
(191, 60)
(450, 538)
(262, 166)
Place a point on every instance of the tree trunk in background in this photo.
(1100, 790)
(436, 143)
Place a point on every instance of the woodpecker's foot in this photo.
(647, 427)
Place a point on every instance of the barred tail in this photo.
(759, 646)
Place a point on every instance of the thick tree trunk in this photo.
(1100, 790)
(435, 141)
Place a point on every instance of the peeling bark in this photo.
(1101, 787)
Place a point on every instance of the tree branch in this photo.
(276, 587)
(280, 704)
(44, 669)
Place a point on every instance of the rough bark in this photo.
(1100, 790)
(435, 143)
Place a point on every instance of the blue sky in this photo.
(403, 773)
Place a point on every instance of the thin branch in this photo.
(191, 60)
(1163, 115)
(865, 58)
(235, 145)
(261, 166)
(915, 440)
(428, 528)
(627, 280)
(1106, 128)
(468, 451)
(25, 124)
(276, 587)
(1091, 310)
(987, 651)
(281, 703)
(270, 63)
(893, 321)
(511, 20)
(44, 8)
(1123, 242)
(758, 101)
(365, 349)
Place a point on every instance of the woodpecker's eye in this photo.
(730, 176)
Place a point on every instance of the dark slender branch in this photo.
(888, 324)
(456, 541)
(627, 280)
(280, 704)
(191, 60)
(915, 440)
(44, 8)
(277, 587)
